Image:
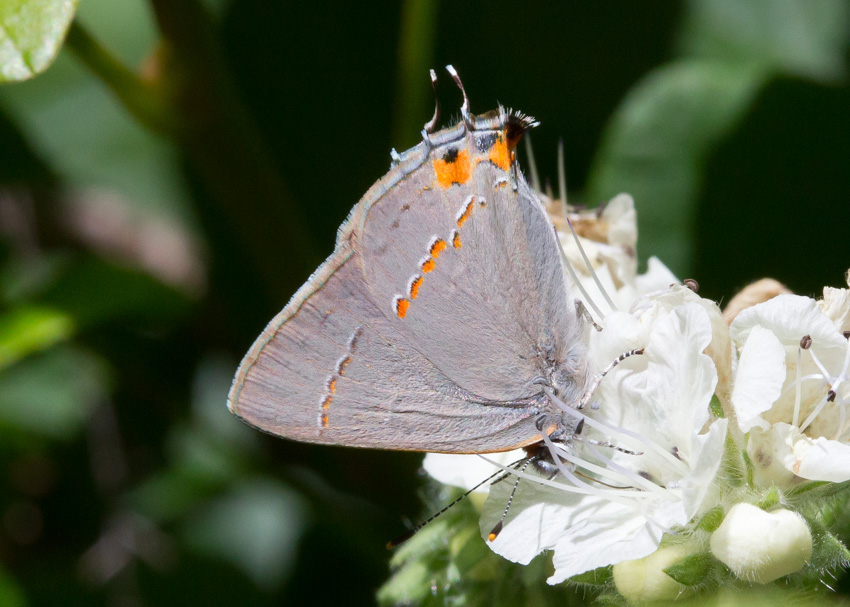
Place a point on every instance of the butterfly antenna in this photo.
(497, 529)
(464, 109)
(409, 534)
(431, 125)
(532, 165)
(562, 188)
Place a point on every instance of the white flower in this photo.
(792, 387)
(762, 546)
(609, 241)
(656, 406)
(662, 398)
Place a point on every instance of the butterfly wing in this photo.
(442, 302)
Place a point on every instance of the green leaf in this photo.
(711, 520)
(10, 594)
(408, 585)
(30, 329)
(52, 394)
(693, 570)
(94, 291)
(804, 37)
(31, 34)
(255, 528)
(656, 143)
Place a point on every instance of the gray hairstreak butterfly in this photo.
(442, 321)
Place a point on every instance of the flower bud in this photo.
(762, 546)
(644, 580)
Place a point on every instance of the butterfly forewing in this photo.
(445, 294)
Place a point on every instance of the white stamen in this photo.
(562, 189)
(585, 295)
(814, 414)
(679, 466)
(798, 398)
(532, 165)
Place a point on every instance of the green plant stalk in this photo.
(144, 101)
(195, 102)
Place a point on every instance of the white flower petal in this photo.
(679, 373)
(790, 317)
(466, 471)
(836, 306)
(768, 450)
(622, 220)
(707, 455)
(536, 519)
(607, 535)
(656, 278)
(817, 459)
(759, 379)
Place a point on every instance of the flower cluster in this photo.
(704, 460)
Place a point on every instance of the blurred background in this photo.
(170, 181)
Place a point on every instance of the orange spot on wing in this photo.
(342, 365)
(453, 168)
(401, 306)
(414, 286)
(428, 265)
(499, 154)
(437, 248)
(326, 404)
(332, 385)
(324, 420)
(456, 240)
(466, 213)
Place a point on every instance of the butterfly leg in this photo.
(582, 313)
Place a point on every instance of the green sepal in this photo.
(711, 520)
(693, 570)
(828, 551)
(595, 577)
(770, 499)
(716, 408)
(748, 464)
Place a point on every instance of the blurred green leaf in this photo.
(51, 394)
(94, 291)
(201, 468)
(29, 329)
(10, 593)
(255, 528)
(31, 33)
(655, 146)
(803, 37)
